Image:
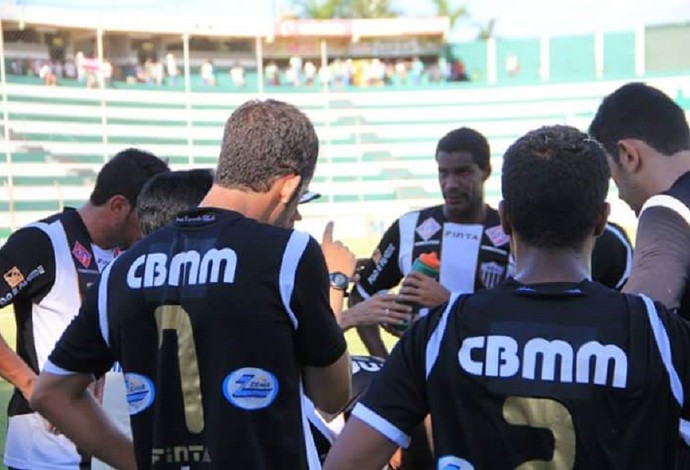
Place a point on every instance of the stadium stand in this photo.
(377, 143)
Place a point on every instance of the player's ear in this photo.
(120, 206)
(290, 184)
(629, 155)
(486, 172)
(505, 219)
(602, 218)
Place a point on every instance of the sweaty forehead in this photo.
(459, 159)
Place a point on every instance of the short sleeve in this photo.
(82, 349)
(382, 271)
(396, 401)
(320, 340)
(27, 266)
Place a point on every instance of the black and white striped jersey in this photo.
(212, 319)
(473, 256)
(612, 257)
(564, 375)
(46, 266)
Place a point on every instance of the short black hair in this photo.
(554, 183)
(468, 140)
(639, 111)
(264, 140)
(167, 194)
(125, 174)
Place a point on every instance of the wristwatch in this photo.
(339, 280)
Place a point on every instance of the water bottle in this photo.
(430, 265)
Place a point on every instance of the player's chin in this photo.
(457, 204)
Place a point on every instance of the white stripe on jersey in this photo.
(434, 345)
(664, 345)
(288, 270)
(407, 225)
(103, 304)
(383, 426)
(313, 461)
(628, 254)
(53, 369)
(669, 202)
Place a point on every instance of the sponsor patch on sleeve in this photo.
(13, 277)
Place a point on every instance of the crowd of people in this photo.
(177, 319)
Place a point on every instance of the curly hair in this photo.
(554, 182)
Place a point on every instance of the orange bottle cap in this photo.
(431, 260)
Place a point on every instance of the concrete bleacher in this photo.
(377, 146)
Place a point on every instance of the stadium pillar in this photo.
(6, 129)
(640, 66)
(599, 58)
(188, 98)
(101, 87)
(491, 61)
(259, 50)
(545, 58)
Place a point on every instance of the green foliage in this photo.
(327, 9)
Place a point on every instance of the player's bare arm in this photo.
(661, 261)
(66, 401)
(329, 387)
(373, 449)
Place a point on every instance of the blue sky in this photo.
(515, 18)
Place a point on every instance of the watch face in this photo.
(339, 280)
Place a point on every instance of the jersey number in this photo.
(174, 317)
(547, 414)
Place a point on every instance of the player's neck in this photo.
(539, 265)
(251, 204)
(96, 224)
(474, 216)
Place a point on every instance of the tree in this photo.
(444, 8)
(327, 9)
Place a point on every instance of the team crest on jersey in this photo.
(250, 388)
(450, 462)
(140, 392)
(81, 254)
(497, 236)
(492, 273)
(13, 277)
(428, 228)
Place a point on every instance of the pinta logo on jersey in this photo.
(450, 462)
(140, 392)
(187, 268)
(366, 363)
(250, 388)
(81, 254)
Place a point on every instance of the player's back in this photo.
(207, 343)
(569, 374)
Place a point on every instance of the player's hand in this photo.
(423, 290)
(375, 310)
(338, 257)
(27, 388)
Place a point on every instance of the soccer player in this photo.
(464, 231)
(647, 141)
(46, 268)
(547, 369)
(220, 321)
